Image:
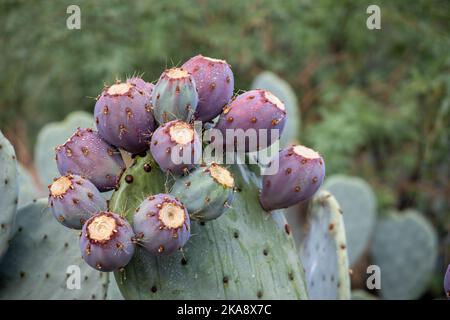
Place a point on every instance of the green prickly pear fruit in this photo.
(175, 96)
(206, 192)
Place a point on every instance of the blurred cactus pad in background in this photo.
(374, 103)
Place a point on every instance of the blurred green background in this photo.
(375, 103)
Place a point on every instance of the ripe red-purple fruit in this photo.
(86, 154)
(300, 174)
(255, 119)
(215, 84)
(73, 200)
(161, 224)
(176, 147)
(107, 242)
(123, 115)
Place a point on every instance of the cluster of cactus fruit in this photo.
(137, 117)
(232, 246)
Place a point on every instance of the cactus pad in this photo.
(113, 290)
(362, 295)
(28, 191)
(405, 249)
(358, 202)
(8, 191)
(324, 250)
(36, 264)
(245, 254)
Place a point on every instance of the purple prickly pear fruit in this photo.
(141, 84)
(73, 200)
(300, 174)
(176, 147)
(88, 155)
(215, 84)
(161, 224)
(447, 282)
(255, 109)
(123, 115)
(175, 96)
(107, 242)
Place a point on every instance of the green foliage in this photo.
(370, 99)
(348, 120)
(244, 254)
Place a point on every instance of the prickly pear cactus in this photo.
(43, 261)
(279, 87)
(55, 134)
(323, 250)
(8, 192)
(358, 202)
(405, 249)
(245, 254)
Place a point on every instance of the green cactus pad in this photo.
(324, 250)
(113, 290)
(36, 264)
(357, 200)
(405, 249)
(245, 254)
(52, 135)
(279, 87)
(8, 192)
(362, 295)
(27, 189)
